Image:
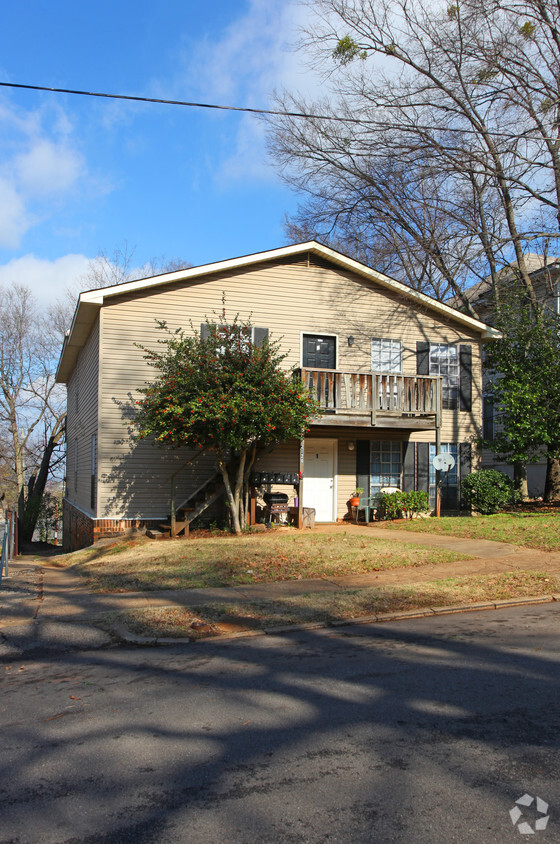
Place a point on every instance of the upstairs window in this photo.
(444, 361)
(386, 355)
(254, 334)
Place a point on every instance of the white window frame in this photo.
(395, 349)
(385, 447)
(450, 380)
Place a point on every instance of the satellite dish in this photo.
(443, 462)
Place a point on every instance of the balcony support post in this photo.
(300, 487)
(438, 445)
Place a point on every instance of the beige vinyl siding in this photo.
(289, 300)
(81, 423)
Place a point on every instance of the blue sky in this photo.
(79, 175)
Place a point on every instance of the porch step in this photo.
(190, 508)
(179, 526)
(152, 533)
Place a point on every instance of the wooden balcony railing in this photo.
(373, 392)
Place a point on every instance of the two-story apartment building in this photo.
(397, 375)
(545, 277)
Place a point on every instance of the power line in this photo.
(245, 109)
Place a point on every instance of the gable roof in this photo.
(91, 301)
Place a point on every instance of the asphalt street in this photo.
(419, 731)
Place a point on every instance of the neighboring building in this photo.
(545, 275)
(395, 372)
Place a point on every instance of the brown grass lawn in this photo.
(141, 564)
(531, 529)
(215, 619)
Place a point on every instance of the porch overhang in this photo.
(402, 422)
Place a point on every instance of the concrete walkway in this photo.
(45, 606)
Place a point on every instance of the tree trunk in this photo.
(552, 483)
(37, 484)
(248, 468)
(238, 493)
(232, 495)
(520, 479)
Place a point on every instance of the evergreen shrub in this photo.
(488, 491)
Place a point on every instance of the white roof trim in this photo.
(98, 296)
(93, 299)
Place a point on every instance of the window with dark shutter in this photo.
(444, 361)
(259, 334)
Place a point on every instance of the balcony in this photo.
(375, 399)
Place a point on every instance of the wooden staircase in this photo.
(196, 503)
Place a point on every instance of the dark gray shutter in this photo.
(422, 358)
(204, 331)
(362, 465)
(423, 466)
(260, 334)
(465, 467)
(408, 467)
(465, 377)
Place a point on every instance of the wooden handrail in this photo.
(338, 390)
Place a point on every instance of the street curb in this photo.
(427, 612)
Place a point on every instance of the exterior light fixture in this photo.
(350, 341)
(351, 446)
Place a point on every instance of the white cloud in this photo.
(243, 66)
(47, 168)
(47, 279)
(14, 219)
(40, 165)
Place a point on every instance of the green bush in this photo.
(488, 491)
(402, 505)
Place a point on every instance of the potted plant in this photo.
(355, 496)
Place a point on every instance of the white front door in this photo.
(318, 478)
